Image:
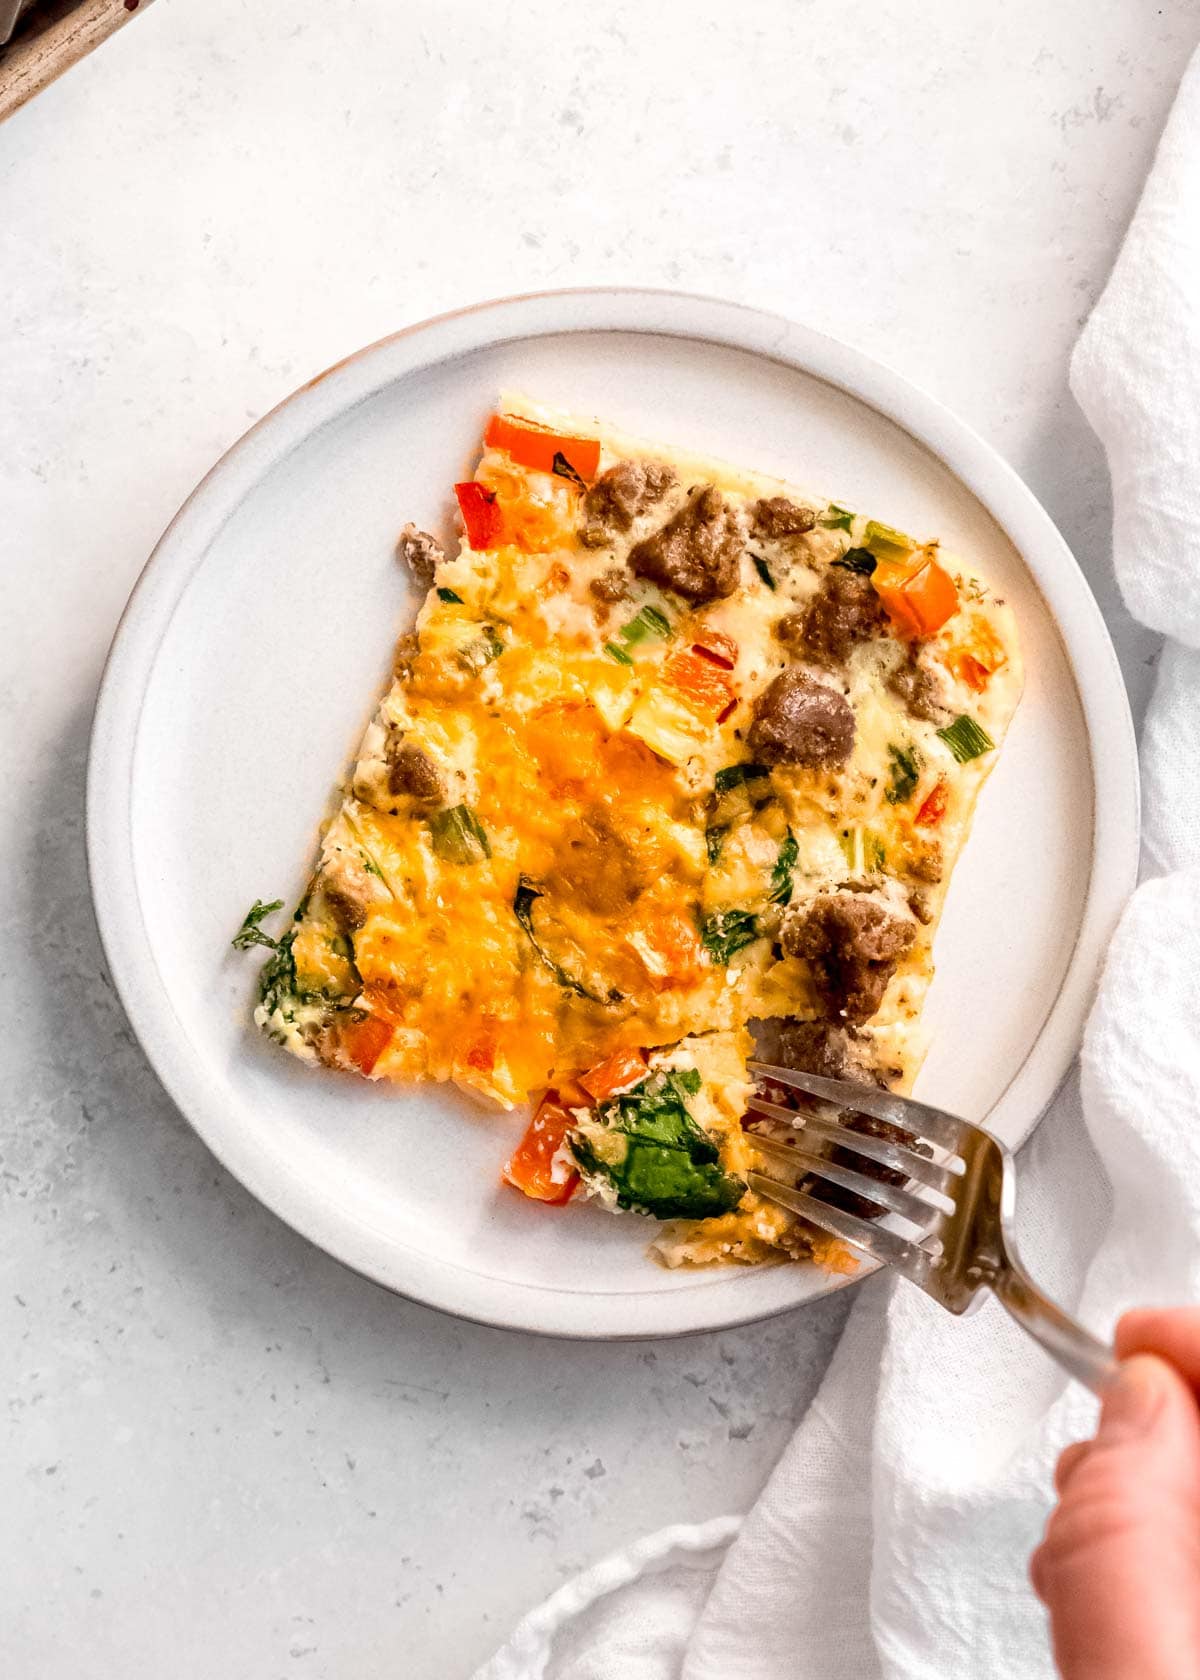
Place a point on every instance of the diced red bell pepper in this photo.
(933, 807)
(529, 1168)
(621, 1069)
(481, 514)
(363, 1042)
(537, 447)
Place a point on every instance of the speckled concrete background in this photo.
(223, 1457)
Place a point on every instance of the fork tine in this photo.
(873, 1240)
(916, 1117)
(776, 1111)
(883, 1150)
(893, 1197)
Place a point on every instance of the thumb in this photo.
(1145, 1391)
(1119, 1569)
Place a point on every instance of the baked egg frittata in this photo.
(672, 748)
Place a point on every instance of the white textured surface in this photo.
(222, 1457)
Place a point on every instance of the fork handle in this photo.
(1089, 1360)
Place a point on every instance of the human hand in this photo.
(1119, 1567)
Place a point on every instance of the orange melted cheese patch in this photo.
(599, 824)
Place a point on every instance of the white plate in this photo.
(249, 658)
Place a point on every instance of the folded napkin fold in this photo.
(892, 1540)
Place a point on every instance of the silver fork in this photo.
(960, 1200)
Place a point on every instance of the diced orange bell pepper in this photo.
(621, 1069)
(537, 447)
(918, 594)
(533, 515)
(972, 671)
(979, 657)
(933, 807)
(363, 1042)
(481, 514)
(530, 1166)
(703, 685)
(717, 646)
(671, 937)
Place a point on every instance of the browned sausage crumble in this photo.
(921, 689)
(923, 861)
(413, 772)
(595, 866)
(823, 1048)
(421, 553)
(404, 656)
(850, 1201)
(776, 516)
(698, 552)
(831, 1051)
(853, 944)
(798, 720)
(619, 496)
(845, 611)
(918, 903)
(610, 586)
(346, 910)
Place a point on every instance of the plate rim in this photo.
(180, 550)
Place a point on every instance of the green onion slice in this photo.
(886, 542)
(649, 625)
(863, 850)
(477, 655)
(966, 738)
(458, 836)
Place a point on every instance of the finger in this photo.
(1037, 1573)
(1068, 1460)
(1133, 1405)
(1173, 1333)
(1119, 1568)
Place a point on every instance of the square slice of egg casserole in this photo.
(672, 749)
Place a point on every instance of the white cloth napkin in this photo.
(892, 1540)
